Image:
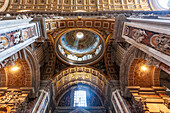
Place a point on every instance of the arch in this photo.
(4, 5)
(28, 75)
(73, 87)
(20, 77)
(94, 23)
(139, 77)
(132, 57)
(79, 75)
(35, 69)
(125, 65)
(72, 83)
(49, 66)
(110, 67)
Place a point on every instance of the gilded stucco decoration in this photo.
(21, 78)
(3, 5)
(160, 42)
(84, 75)
(76, 5)
(79, 46)
(103, 27)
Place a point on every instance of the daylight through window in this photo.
(80, 98)
(163, 3)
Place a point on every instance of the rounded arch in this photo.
(131, 62)
(101, 92)
(20, 77)
(110, 66)
(27, 76)
(80, 75)
(49, 66)
(125, 65)
(73, 87)
(141, 74)
(4, 5)
(35, 69)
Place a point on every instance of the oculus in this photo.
(160, 4)
(79, 46)
(164, 3)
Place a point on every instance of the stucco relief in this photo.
(3, 5)
(78, 5)
(139, 35)
(160, 42)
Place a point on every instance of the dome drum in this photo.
(80, 47)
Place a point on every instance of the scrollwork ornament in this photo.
(139, 35)
(152, 61)
(127, 30)
(4, 43)
(161, 42)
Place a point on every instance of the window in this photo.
(159, 4)
(163, 3)
(80, 98)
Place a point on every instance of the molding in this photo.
(150, 51)
(7, 53)
(5, 5)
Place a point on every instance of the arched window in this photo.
(160, 4)
(163, 3)
(80, 98)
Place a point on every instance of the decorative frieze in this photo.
(107, 24)
(156, 40)
(14, 37)
(85, 75)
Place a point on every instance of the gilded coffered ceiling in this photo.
(73, 5)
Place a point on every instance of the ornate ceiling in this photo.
(79, 46)
(56, 28)
(73, 5)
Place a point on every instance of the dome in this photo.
(79, 46)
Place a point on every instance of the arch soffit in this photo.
(71, 83)
(133, 54)
(86, 75)
(87, 86)
(35, 70)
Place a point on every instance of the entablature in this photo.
(16, 35)
(149, 35)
